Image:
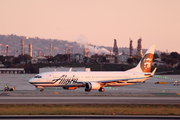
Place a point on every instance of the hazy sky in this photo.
(95, 21)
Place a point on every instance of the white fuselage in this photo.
(68, 79)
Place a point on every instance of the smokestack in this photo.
(30, 49)
(51, 49)
(43, 53)
(115, 48)
(86, 50)
(22, 46)
(14, 53)
(39, 52)
(0, 49)
(131, 48)
(139, 47)
(7, 50)
(67, 50)
(111, 53)
(53, 52)
(115, 51)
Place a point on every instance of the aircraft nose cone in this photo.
(31, 81)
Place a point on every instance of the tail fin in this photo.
(146, 62)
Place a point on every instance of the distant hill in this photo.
(14, 43)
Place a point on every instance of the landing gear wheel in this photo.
(42, 90)
(101, 90)
(87, 90)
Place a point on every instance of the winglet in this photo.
(153, 71)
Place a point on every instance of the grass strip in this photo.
(53, 109)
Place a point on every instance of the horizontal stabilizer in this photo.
(153, 71)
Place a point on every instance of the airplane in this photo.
(97, 80)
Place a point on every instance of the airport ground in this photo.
(149, 88)
(141, 94)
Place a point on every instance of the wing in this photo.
(132, 80)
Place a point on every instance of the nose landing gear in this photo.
(41, 88)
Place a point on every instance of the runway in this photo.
(90, 117)
(90, 100)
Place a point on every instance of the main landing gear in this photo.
(101, 89)
(41, 89)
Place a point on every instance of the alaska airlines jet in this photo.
(97, 80)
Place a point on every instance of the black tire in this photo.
(101, 90)
(87, 90)
(41, 90)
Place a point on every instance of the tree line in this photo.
(95, 62)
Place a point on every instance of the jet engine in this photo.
(69, 88)
(92, 86)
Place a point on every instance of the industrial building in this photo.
(12, 71)
(77, 57)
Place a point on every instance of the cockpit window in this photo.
(37, 76)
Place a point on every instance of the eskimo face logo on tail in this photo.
(147, 62)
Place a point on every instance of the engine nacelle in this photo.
(69, 88)
(92, 86)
